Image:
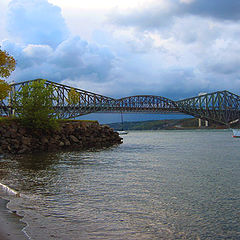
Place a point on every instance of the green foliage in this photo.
(7, 64)
(34, 103)
(4, 89)
(157, 124)
(73, 97)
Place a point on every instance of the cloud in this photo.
(3, 9)
(195, 44)
(43, 48)
(36, 22)
(197, 52)
(83, 58)
(161, 14)
(220, 9)
(72, 59)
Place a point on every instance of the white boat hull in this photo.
(122, 132)
(236, 132)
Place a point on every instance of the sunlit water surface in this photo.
(156, 185)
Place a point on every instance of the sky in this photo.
(118, 48)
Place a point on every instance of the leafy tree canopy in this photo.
(73, 97)
(4, 89)
(7, 66)
(34, 104)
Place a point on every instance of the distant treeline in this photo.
(186, 123)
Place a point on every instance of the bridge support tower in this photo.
(200, 123)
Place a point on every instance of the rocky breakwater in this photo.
(70, 135)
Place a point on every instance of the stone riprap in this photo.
(70, 135)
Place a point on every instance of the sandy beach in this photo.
(10, 225)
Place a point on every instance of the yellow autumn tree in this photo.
(7, 66)
(73, 97)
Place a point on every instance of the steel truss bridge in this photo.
(220, 107)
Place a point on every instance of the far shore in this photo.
(167, 124)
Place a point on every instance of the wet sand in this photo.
(10, 225)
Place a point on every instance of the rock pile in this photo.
(74, 135)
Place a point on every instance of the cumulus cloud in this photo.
(36, 22)
(72, 59)
(81, 58)
(197, 52)
(44, 49)
(195, 44)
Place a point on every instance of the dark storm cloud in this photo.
(221, 9)
(161, 14)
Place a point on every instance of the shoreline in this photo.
(11, 228)
(166, 124)
(70, 135)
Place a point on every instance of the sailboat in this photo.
(235, 128)
(122, 132)
(236, 132)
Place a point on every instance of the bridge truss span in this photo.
(220, 107)
(88, 102)
(145, 103)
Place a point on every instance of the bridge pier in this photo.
(200, 123)
(206, 123)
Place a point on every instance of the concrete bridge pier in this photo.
(200, 123)
(206, 123)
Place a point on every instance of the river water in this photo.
(156, 185)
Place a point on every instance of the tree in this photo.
(7, 66)
(73, 97)
(4, 89)
(34, 104)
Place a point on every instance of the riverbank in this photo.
(10, 225)
(166, 124)
(70, 135)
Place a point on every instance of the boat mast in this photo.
(122, 120)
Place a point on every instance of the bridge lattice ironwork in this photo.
(221, 107)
